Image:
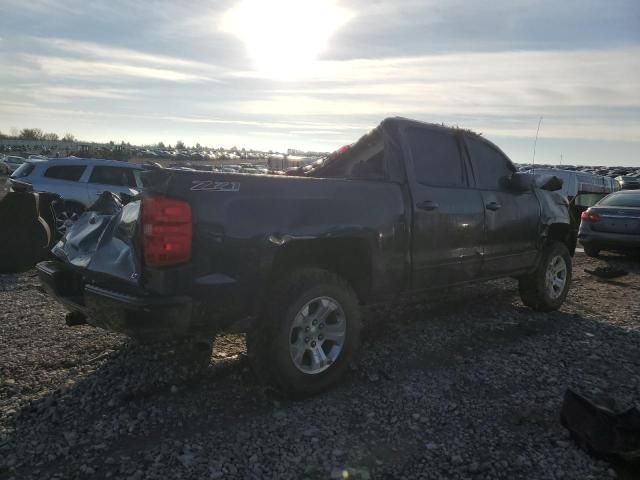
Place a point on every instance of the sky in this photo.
(317, 74)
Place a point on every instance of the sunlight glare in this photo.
(284, 38)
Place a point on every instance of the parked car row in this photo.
(256, 169)
(613, 172)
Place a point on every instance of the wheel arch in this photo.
(564, 233)
(348, 257)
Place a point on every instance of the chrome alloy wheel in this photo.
(556, 277)
(317, 335)
(64, 221)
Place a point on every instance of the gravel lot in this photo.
(465, 386)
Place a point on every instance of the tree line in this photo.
(37, 134)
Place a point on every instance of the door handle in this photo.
(427, 205)
(493, 206)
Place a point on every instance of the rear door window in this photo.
(490, 167)
(65, 172)
(436, 157)
(116, 176)
(23, 170)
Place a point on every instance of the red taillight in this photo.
(589, 216)
(167, 231)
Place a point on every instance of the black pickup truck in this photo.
(409, 207)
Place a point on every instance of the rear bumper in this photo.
(139, 316)
(609, 240)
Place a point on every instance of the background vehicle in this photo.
(629, 182)
(4, 169)
(410, 207)
(612, 224)
(12, 162)
(78, 181)
(582, 189)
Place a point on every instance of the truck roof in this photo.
(407, 122)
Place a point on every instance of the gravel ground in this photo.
(468, 386)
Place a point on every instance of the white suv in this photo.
(79, 182)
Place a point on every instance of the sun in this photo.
(284, 38)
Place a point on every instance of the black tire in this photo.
(591, 251)
(534, 289)
(24, 237)
(269, 339)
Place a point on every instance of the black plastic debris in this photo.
(602, 429)
(26, 230)
(607, 272)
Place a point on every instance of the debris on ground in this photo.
(607, 272)
(603, 429)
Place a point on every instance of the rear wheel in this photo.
(591, 251)
(546, 288)
(66, 217)
(308, 334)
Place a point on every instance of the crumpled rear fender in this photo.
(102, 243)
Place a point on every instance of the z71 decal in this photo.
(212, 186)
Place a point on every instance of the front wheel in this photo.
(310, 331)
(546, 288)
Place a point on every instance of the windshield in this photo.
(621, 199)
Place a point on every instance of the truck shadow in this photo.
(137, 398)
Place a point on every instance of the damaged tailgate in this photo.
(98, 273)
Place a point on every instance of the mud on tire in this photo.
(306, 308)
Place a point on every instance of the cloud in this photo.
(91, 50)
(580, 89)
(82, 68)
(85, 60)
